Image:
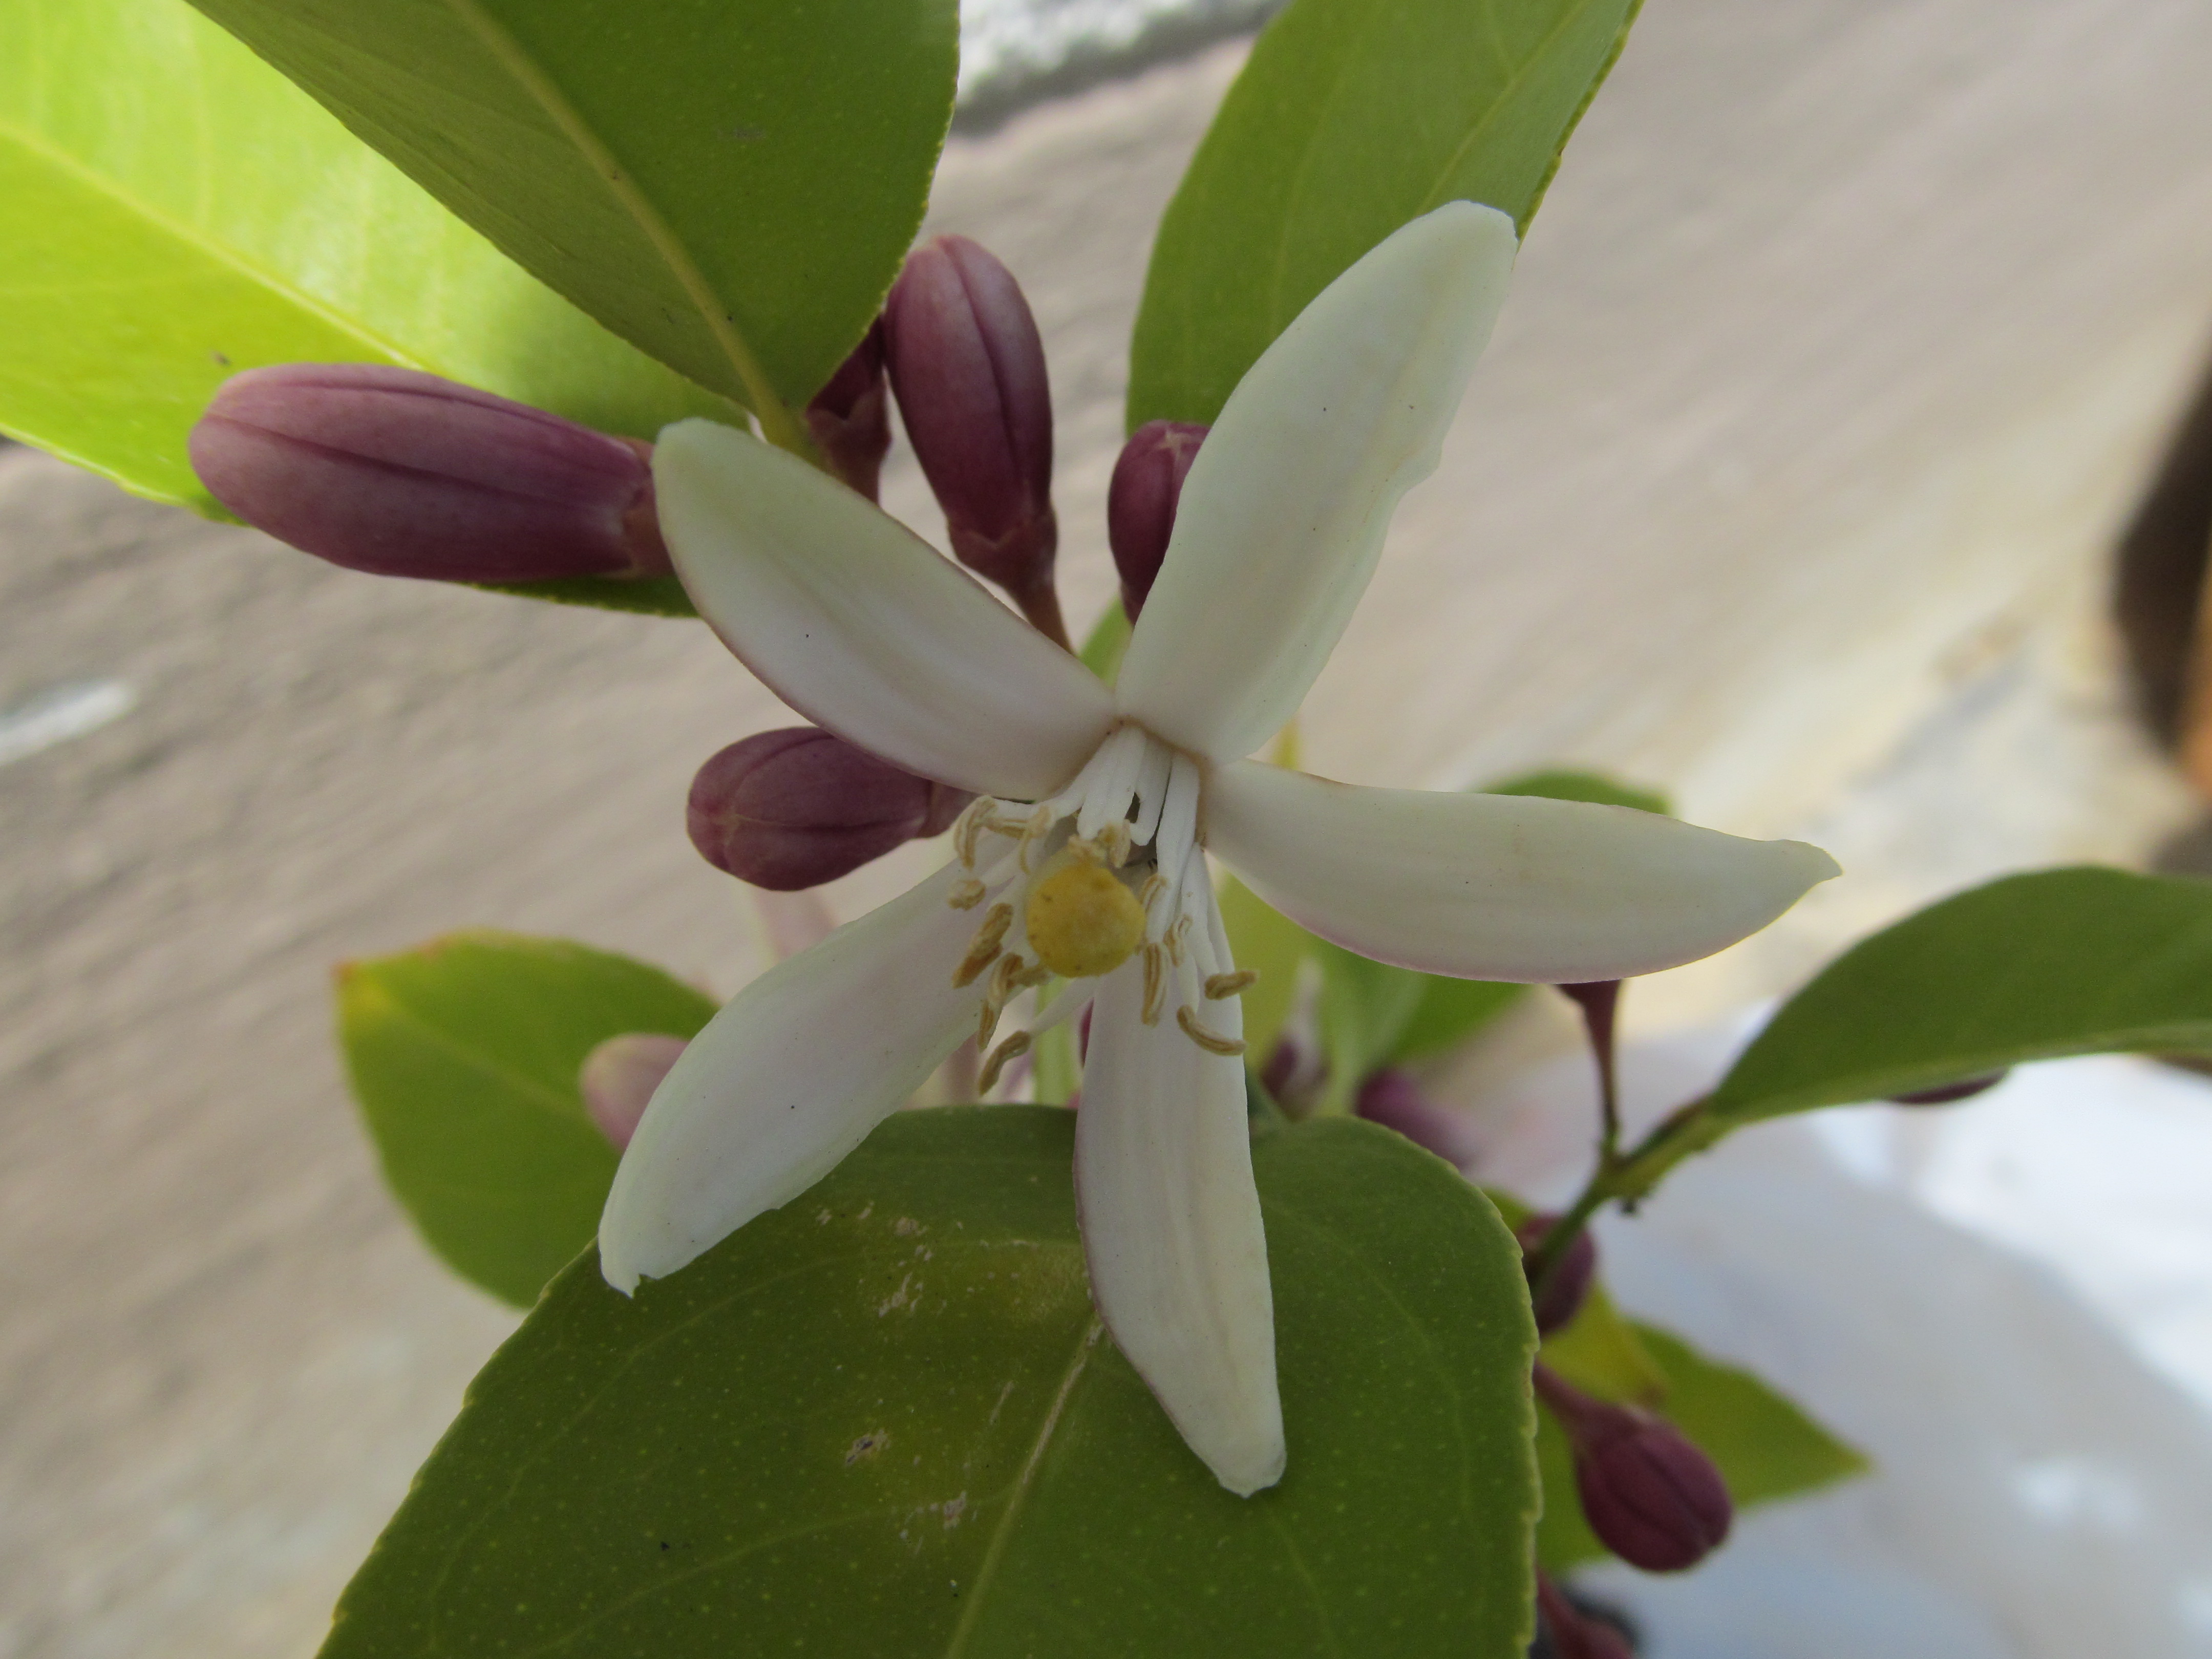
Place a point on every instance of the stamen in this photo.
(984, 950)
(1113, 843)
(1014, 1046)
(1220, 986)
(1155, 984)
(1039, 825)
(966, 893)
(1175, 936)
(1205, 1039)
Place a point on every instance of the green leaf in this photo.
(1365, 1007)
(1765, 1447)
(1591, 786)
(2059, 962)
(1268, 942)
(1108, 642)
(728, 185)
(178, 211)
(464, 1054)
(1350, 118)
(883, 1421)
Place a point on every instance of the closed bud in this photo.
(794, 808)
(1140, 502)
(1566, 1287)
(1649, 1495)
(969, 369)
(1565, 1631)
(618, 1077)
(1392, 1099)
(403, 474)
(1944, 1094)
(850, 418)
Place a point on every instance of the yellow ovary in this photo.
(1083, 921)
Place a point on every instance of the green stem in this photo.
(1629, 1178)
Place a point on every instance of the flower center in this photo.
(1109, 868)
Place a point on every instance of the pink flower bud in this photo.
(1568, 1288)
(1565, 1632)
(969, 369)
(797, 807)
(1944, 1094)
(1140, 501)
(1651, 1496)
(618, 1079)
(850, 418)
(403, 474)
(1392, 1099)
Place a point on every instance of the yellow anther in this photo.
(966, 895)
(1083, 921)
(1205, 1039)
(1017, 1044)
(1220, 986)
(1155, 984)
(984, 951)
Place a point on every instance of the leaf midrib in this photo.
(768, 407)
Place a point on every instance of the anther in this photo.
(966, 895)
(985, 949)
(1012, 1048)
(1113, 843)
(1220, 986)
(1155, 984)
(1205, 1039)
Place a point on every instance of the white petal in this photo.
(1508, 887)
(860, 626)
(1171, 1229)
(1283, 516)
(788, 1079)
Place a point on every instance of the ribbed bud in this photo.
(850, 418)
(402, 474)
(797, 807)
(1944, 1094)
(1140, 502)
(618, 1077)
(969, 368)
(1567, 1287)
(1392, 1099)
(1651, 1496)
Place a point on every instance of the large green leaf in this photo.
(729, 185)
(883, 1421)
(1350, 117)
(2059, 962)
(176, 211)
(1765, 1447)
(463, 1055)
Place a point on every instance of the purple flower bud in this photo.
(618, 1079)
(1568, 1288)
(1392, 1099)
(797, 807)
(969, 369)
(403, 474)
(1140, 502)
(1565, 1632)
(1944, 1094)
(1651, 1496)
(850, 418)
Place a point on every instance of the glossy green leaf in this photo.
(2059, 962)
(1765, 1447)
(463, 1055)
(883, 1421)
(176, 211)
(728, 185)
(1350, 117)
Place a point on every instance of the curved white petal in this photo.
(1171, 1229)
(1508, 887)
(857, 623)
(786, 1080)
(1283, 516)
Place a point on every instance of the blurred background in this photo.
(1857, 342)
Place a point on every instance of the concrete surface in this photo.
(1833, 366)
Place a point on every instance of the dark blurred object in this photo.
(850, 418)
(969, 370)
(1562, 1296)
(1965, 1089)
(399, 473)
(1574, 1627)
(2159, 580)
(1141, 500)
(797, 807)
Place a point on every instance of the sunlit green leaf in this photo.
(176, 211)
(1350, 117)
(728, 186)
(2058, 961)
(463, 1055)
(883, 1421)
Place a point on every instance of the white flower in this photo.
(1086, 856)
